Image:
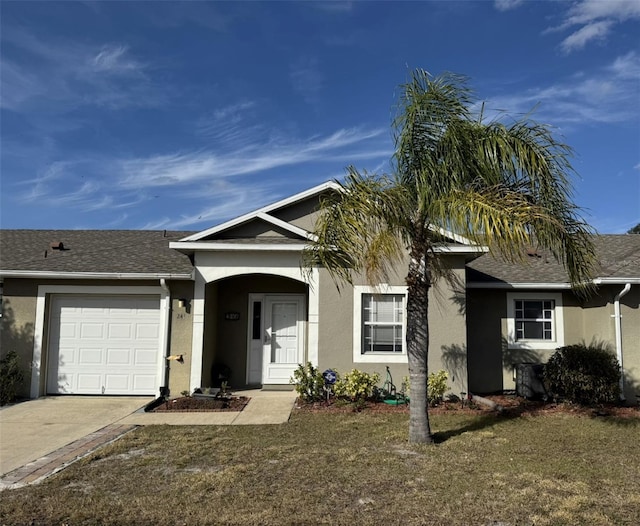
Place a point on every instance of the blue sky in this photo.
(159, 115)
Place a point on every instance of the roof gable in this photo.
(275, 214)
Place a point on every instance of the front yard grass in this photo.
(352, 468)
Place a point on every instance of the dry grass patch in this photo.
(351, 468)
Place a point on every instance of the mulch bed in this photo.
(191, 404)
(511, 405)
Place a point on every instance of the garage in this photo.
(104, 345)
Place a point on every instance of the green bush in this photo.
(357, 385)
(583, 374)
(11, 377)
(436, 387)
(309, 383)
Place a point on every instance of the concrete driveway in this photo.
(33, 429)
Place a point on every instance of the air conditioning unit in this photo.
(529, 381)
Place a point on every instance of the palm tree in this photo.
(501, 186)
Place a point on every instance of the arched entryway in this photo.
(255, 328)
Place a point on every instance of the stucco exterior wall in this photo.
(302, 215)
(17, 325)
(181, 333)
(584, 321)
(448, 342)
(19, 320)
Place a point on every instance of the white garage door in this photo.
(104, 345)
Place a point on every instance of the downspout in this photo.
(166, 308)
(618, 324)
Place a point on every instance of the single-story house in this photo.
(143, 312)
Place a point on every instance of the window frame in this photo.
(358, 325)
(557, 321)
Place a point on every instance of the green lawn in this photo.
(352, 468)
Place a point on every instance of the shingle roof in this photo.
(619, 257)
(93, 251)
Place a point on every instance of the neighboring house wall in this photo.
(492, 353)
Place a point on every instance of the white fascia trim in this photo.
(447, 233)
(517, 286)
(286, 226)
(616, 281)
(358, 357)
(41, 304)
(251, 215)
(243, 247)
(89, 275)
(461, 250)
(558, 321)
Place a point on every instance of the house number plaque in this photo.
(232, 316)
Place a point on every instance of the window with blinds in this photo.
(382, 322)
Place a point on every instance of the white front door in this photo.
(283, 346)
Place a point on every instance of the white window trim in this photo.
(558, 321)
(379, 357)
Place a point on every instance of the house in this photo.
(139, 312)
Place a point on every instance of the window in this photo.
(379, 324)
(535, 320)
(382, 316)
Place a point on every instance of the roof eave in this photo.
(192, 246)
(38, 274)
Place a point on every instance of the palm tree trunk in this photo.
(418, 284)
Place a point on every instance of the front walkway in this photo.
(265, 407)
(24, 467)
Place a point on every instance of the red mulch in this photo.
(190, 404)
(511, 405)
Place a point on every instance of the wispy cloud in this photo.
(217, 183)
(307, 79)
(186, 167)
(602, 96)
(229, 200)
(506, 5)
(595, 20)
(55, 76)
(114, 59)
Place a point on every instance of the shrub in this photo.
(357, 385)
(309, 383)
(583, 374)
(436, 387)
(11, 376)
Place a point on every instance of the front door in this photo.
(283, 337)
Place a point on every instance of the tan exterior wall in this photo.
(181, 333)
(587, 321)
(19, 318)
(17, 325)
(302, 215)
(448, 343)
